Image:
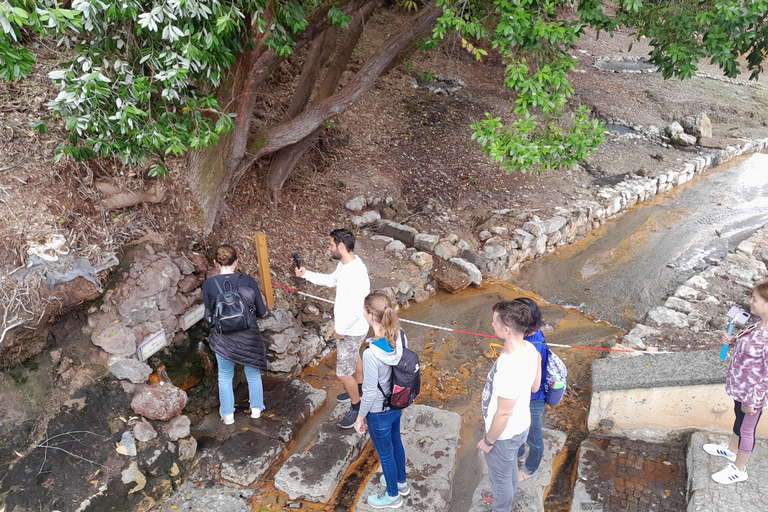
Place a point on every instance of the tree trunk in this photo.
(211, 169)
(285, 160)
(268, 141)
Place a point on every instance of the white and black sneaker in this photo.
(344, 397)
(349, 419)
(720, 450)
(730, 475)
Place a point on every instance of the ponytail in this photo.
(380, 307)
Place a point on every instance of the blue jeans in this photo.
(502, 471)
(227, 394)
(384, 428)
(535, 439)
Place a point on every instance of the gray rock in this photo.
(484, 235)
(193, 497)
(186, 267)
(132, 474)
(634, 341)
(285, 363)
(523, 238)
(294, 402)
(246, 456)
(468, 268)
(463, 245)
(315, 474)
(369, 217)
(678, 305)
(430, 438)
(127, 446)
(143, 431)
(479, 261)
(159, 401)
(673, 129)
(746, 247)
(397, 231)
(356, 204)
(499, 230)
(277, 319)
(422, 259)
(312, 346)
(395, 246)
(425, 242)
(554, 224)
(684, 139)
(494, 252)
(382, 238)
(535, 228)
(644, 331)
(187, 448)
(177, 428)
(279, 342)
(131, 369)
(665, 316)
(698, 126)
(687, 293)
(697, 282)
(116, 339)
(446, 250)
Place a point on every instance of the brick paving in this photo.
(634, 476)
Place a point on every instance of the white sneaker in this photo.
(255, 413)
(720, 450)
(228, 419)
(729, 475)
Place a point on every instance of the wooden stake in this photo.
(264, 274)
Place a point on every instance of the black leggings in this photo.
(745, 427)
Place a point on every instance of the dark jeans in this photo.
(384, 428)
(535, 439)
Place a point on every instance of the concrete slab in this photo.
(705, 495)
(315, 474)
(431, 439)
(621, 474)
(246, 456)
(294, 402)
(529, 496)
(660, 398)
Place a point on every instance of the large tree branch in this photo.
(292, 131)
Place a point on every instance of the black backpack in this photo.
(231, 312)
(405, 383)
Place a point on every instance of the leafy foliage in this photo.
(686, 31)
(534, 44)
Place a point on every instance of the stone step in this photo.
(529, 496)
(315, 474)
(431, 439)
(706, 495)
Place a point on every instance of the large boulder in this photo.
(161, 401)
(698, 126)
(116, 339)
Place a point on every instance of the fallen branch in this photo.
(71, 433)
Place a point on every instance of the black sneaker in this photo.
(343, 398)
(349, 419)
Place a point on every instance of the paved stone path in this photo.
(705, 495)
(431, 439)
(617, 475)
(529, 496)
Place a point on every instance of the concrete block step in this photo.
(706, 495)
(529, 496)
(431, 439)
(315, 474)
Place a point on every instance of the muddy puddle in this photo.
(620, 271)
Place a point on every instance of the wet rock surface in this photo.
(430, 438)
(530, 494)
(315, 474)
(621, 475)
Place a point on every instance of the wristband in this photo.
(485, 440)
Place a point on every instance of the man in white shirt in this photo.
(506, 399)
(350, 328)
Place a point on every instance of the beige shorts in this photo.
(347, 352)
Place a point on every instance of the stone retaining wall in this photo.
(507, 240)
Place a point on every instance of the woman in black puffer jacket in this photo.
(243, 347)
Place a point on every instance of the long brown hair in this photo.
(380, 308)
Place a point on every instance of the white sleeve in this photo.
(329, 280)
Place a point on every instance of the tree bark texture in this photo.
(212, 169)
(268, 141)
(285, 159)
